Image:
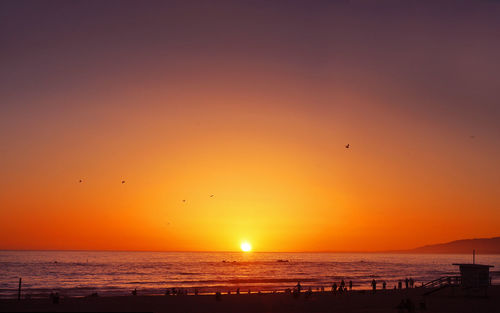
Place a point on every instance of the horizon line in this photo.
(199, 251)
(410, 251)
(407, 250)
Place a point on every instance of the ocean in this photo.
(81, 273)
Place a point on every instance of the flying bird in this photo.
(80, 181)
(347, 146)
(123, 182)
(183, 200)
(211, 196)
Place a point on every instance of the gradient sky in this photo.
(252, 101)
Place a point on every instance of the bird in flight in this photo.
(80, 181)
(183, 200)
(211, 196)
(123, 182)
(347, 146)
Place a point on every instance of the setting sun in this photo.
(246, 247)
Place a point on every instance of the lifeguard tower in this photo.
(474, 277)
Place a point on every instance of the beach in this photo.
(81, 273)
(355, 301)
(112, 276)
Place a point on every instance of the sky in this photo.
(252, 102)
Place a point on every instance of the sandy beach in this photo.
(356, 301)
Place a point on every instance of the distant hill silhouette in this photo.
(481, 245)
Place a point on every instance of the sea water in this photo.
(81, 273)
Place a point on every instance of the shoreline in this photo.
(446, 300)
(27, 294)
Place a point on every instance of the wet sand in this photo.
(356, 301)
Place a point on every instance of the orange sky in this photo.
(263, 132)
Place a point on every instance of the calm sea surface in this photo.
(80, 273)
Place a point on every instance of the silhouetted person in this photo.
(334, 288)
(342, 284)
(299, 287)
(238, 291)
(350, 285)
(412, 282)
(374, 285)
(407, 281)
(400, 284)
(384, 285)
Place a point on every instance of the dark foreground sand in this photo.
(442, 301)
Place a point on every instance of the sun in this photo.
(246, 247)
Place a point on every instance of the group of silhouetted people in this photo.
(335, 289)
(179, 292)
(374, 285)
(341, 287)
(409, 283)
